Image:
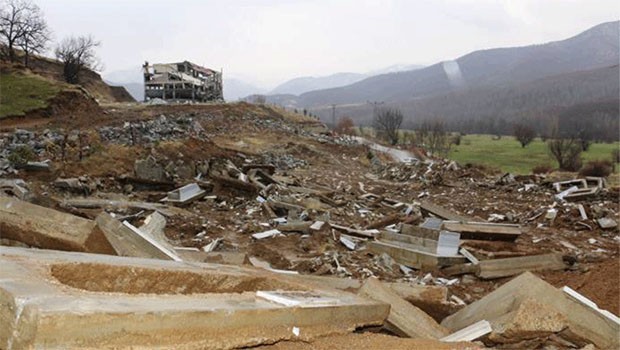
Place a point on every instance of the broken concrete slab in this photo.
(149, 169)
(606, 223)
(154, 225)
(497, 268)
(46, 228)
(560, 196)
(295, 226)
(469, 333)
(429, 298)
(92, 203)
(472, 259)
(425, 244)
(589, 303)
(418, 231)
(441, 212)
(185, 195)
(266, 234)
(484, 230)
(355, 232)
(413, 256)
(348, 242)
(432, 223)
(545, 310)
(15, 187)
(418, 293)
(404, 319)
(73, 300)
(76, 185)
(130, 241)
(317, 225)
(448, 243)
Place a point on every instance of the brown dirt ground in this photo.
(600, 283)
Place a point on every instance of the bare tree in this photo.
(438, 140)
(566, 151)
(76, 54)
(22, 25)
(387, 121)
(35, 39)
(524, 133)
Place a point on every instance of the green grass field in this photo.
(508, 155)
(20, 93)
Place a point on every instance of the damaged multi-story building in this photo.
(182, 81)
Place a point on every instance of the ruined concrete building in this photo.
(182, 81)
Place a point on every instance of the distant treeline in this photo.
(598, 121)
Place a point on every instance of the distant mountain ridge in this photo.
(594, 48)
(504, 84)
(298, 86)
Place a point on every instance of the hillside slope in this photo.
(40, 91)
(91, 81)
(595, 48)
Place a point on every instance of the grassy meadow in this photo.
(508, 155)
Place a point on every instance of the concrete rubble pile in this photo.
(248, 249)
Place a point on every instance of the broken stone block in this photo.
(185, 171)
(531, 319)
(149, 169)
(74, 185)
(130, 241)
(58, 300)
(527, 305)
(606, 223)
(16, 187)
(46, 228)
(404, 318)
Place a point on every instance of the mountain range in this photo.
(506, 83)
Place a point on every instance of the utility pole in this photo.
(334, 116)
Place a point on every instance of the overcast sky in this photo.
(267, 42)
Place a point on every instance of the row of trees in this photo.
(23, 27)
(566, 139)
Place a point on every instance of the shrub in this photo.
(22, 155)
(542, 169)
(600, 168)
(567, 152)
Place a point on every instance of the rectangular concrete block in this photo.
(413, 256)
(497, 268)
(61, 300)
(47, 228)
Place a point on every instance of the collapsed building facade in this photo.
(182, 81)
